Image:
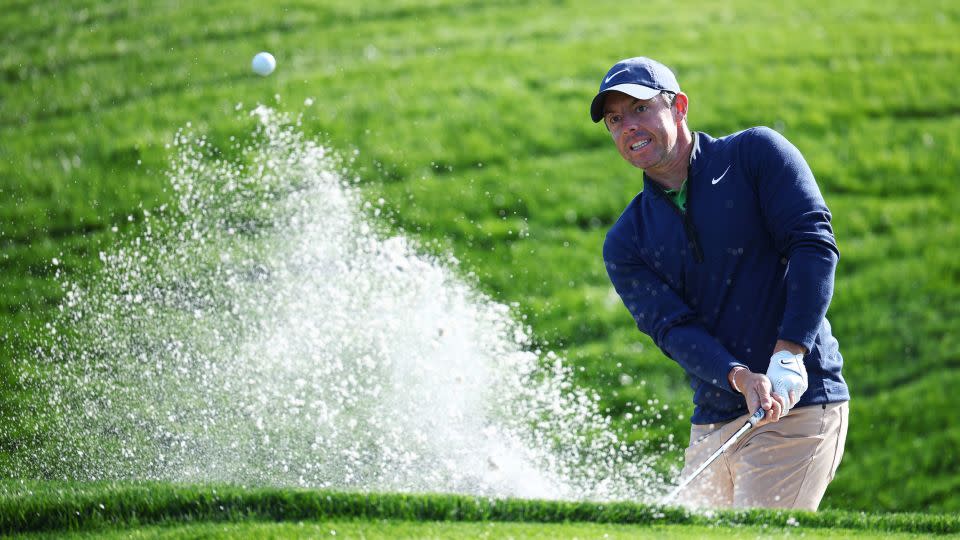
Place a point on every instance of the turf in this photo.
(470, 120)
(40, 507)
(390, 529)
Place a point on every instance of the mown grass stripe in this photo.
(111, 505)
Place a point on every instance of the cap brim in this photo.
(632, 90)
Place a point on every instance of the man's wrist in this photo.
(784, 345)
(732, 378)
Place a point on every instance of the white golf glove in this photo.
(788, 377)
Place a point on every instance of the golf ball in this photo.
(264, 63)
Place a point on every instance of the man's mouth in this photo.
(639, 144)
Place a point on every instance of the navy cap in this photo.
(639, 77)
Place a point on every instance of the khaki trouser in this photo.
(787, 464)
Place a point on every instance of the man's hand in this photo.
(758, 390)
(788, 376)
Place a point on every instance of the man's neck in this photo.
(674, 173)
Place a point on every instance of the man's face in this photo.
(645, 131)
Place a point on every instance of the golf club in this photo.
(749, 424)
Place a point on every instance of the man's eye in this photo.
(640, 108)
(613, 118)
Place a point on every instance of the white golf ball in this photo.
(264, 63)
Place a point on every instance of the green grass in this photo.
(471, 122)
(232, 511)
(391, 529)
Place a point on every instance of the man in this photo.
(726, 260)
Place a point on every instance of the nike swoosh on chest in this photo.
(716, 179)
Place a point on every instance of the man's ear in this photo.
(680, 104)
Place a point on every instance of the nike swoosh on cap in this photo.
(610, 78)
(719, 178)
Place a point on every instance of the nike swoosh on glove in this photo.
(788, 377)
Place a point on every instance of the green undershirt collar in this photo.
(678, 196)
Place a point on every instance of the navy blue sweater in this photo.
(751, 261)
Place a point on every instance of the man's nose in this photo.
(630, 122)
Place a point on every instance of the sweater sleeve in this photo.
(799, 221)
(661, 314)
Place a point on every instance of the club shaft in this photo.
(747, 426)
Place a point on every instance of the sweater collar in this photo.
(695, 151)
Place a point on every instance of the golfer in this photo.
(726, 260)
